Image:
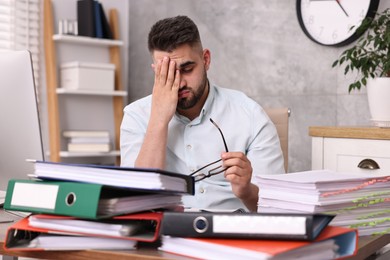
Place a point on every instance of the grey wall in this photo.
(258, 47)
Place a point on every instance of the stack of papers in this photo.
(359, 200)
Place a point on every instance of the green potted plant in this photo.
(369, 58)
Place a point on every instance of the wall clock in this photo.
(329, 22)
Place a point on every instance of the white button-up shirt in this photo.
(193, 144)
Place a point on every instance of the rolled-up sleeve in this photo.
(132, 131)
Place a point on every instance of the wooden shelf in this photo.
(66, 154)
(86, 40)
(119, 93)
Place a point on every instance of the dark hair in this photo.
(170, 33)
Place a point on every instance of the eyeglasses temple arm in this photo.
(223, 138)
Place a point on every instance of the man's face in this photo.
(193, 64)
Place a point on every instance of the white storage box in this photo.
(87, 76)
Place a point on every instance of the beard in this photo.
(195, 96)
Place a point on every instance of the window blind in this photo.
(20, 24)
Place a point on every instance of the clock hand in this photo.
(342, 8)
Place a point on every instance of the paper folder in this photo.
(144, 227)
(83, 200)
(124, 177)
(245, 225)
(21, 236)
(333, 243)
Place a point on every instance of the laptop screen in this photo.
(20, 133)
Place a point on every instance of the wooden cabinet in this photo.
(351, 149)
(81, 109)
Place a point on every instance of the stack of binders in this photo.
(359, 200)
(91, 206)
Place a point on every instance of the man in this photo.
(171, 128)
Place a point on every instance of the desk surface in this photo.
(350, 132)
(367, 246)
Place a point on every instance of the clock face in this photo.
(329, 22)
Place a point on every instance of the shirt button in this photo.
(189, 146)
(201, 190)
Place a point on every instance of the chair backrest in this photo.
(280, 118)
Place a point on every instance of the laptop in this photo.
(20, 131)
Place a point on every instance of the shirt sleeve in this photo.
(264, 151)
(132, 133)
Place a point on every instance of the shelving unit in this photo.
(51, 40)
(86, 40)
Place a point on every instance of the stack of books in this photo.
(358, 200)
(92, 20)
(88, 141)
(91, 206)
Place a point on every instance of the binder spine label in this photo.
(259, 224)
(35, 195)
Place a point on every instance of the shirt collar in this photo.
(205, 110)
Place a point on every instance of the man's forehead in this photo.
(181, 55)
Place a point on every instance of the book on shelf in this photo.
(84, 200)
(333, 242)
(88, 147)
(107, 33)
(86, 133)
(357, 199)
(90, 140)
(280, 226)
(98, 20)
(124, 177)
(86, 18)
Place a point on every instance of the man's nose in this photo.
(183, 82)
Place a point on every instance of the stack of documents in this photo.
(358, 200)
(91, 206)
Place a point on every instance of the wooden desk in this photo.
(367, 247)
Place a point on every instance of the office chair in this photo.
(280, 118)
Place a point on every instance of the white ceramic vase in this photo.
(378, 93)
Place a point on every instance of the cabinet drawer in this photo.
(342, 154)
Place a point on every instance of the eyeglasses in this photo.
(198, 175)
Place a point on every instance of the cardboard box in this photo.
(78, 75)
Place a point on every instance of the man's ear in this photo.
(206, 58)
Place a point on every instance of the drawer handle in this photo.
(368, 164)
